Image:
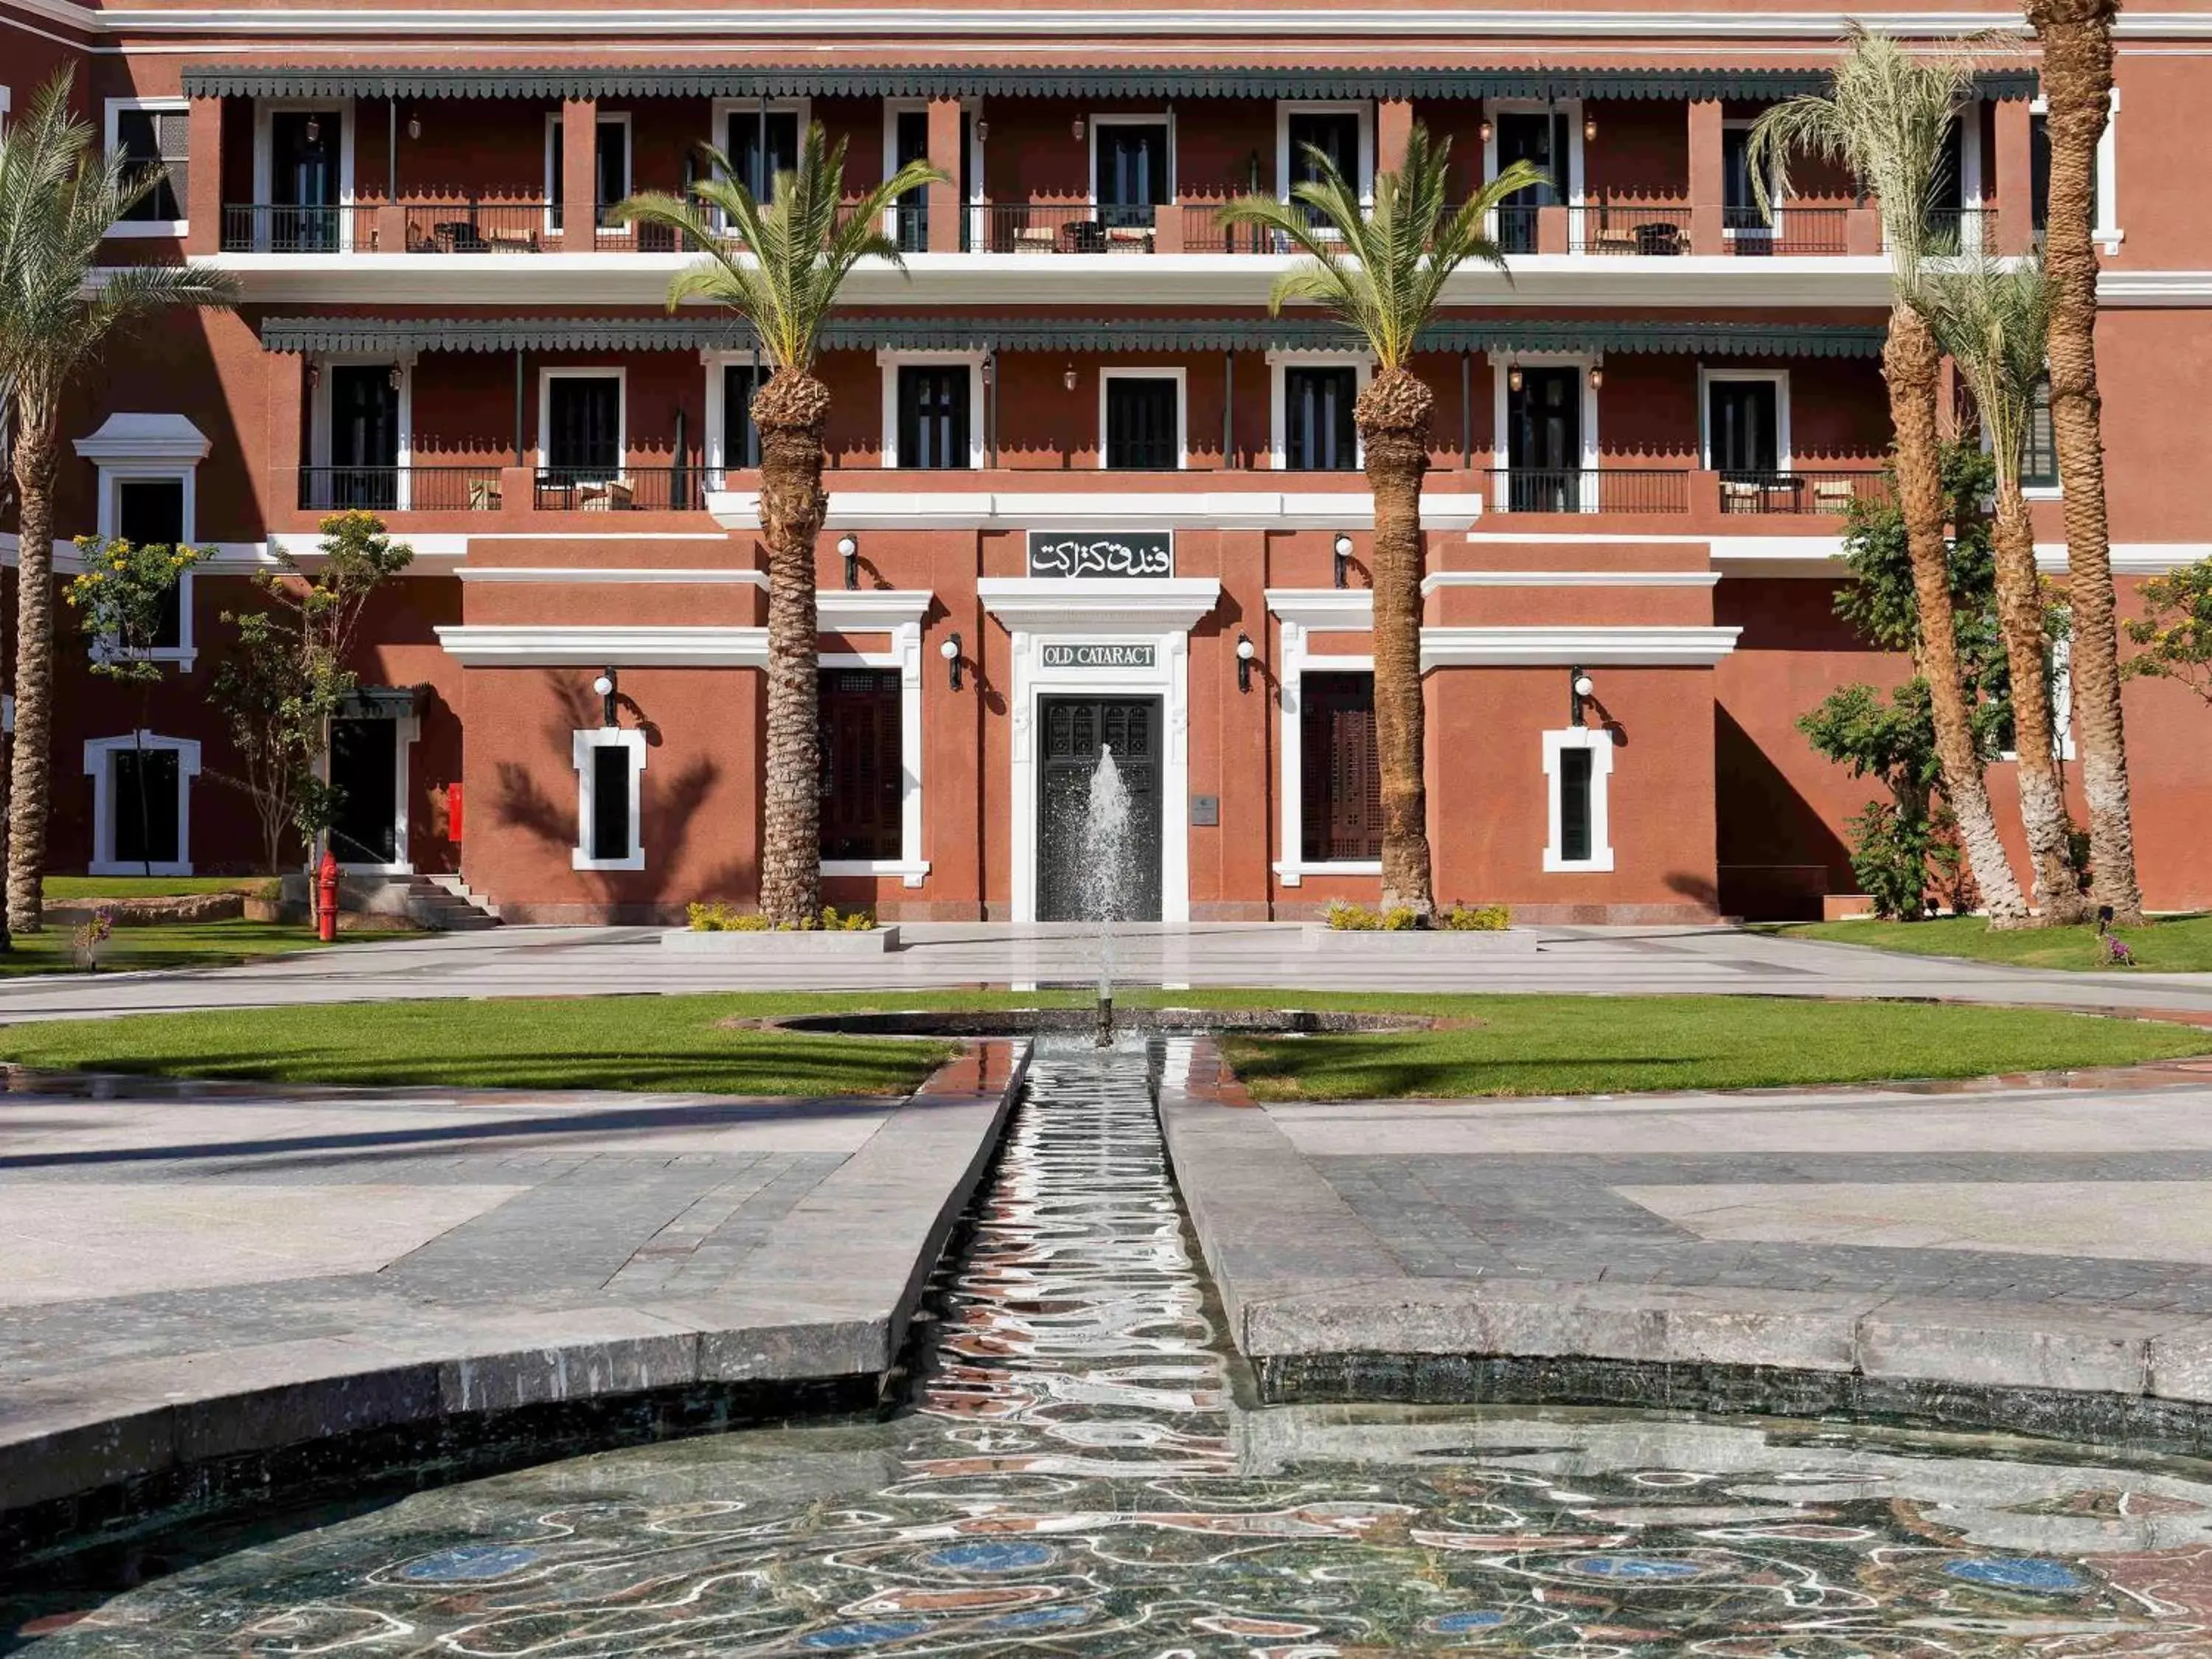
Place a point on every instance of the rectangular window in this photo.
(152, 139)
(610, 828)
(1319, 435)
(150, 513)
(610, 764)
(1743, 426)
(933, 417)
(2039, 154)
(583, 426)
(1335, 134)
(1144, 422)
(1575, 805)
(862, 772)
(145, 786)
(1132, 171)
(761, 145)
(740, 437)
(2038, 464)
(1340, 771)
(1576, 764)
(610, 167)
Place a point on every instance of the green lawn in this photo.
(61, 888)
(190, 945)
(2181, 945)
(1507, 1046)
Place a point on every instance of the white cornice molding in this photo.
(1324, 610)
(1442, 579)
(2143, 288)
(495, 645)
(127, 437)
(1103, 509)
(872, 610)
(1074, 604)
(1632, 646)
(566, 574)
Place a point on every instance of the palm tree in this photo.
(1382, 272)
(2077, 90)
(796, 253)
(59, 195)
(1993, 322)
(1887, 117)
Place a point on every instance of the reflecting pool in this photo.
(1076, 1477)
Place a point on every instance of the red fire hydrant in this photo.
(326, 898)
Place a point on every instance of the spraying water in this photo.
(1105, 875)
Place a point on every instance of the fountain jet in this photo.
(1105, 842)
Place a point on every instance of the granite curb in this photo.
(1324, 1311)
(821, 1321)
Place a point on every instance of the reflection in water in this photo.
(1075, 1479)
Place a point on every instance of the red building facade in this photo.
(1078, 468)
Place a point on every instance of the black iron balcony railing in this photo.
(628, 490)
(1952, 231)
(1647, 228)
(473, 225)
(399, 489)
(1591, 490)
(1791, 231)
(268, 227)
(1065, 228)
(1796, 491)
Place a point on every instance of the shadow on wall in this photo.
(1778, 855)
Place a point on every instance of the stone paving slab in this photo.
(1578, 1249)
(529, 1252)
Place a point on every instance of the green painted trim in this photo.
(860, 333)
(256, 81)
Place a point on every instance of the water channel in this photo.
(1075, 1475)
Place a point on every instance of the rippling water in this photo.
(1075, 1477)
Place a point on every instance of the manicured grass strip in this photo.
(58, 889)
(193, 945)
(1508, 1045)
(636, 1044)
(1612, 1045)
(2180, 944)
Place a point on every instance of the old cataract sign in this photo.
(1145, 553)
(1097, 656)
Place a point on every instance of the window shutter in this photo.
(1341, 810)
(861, 764)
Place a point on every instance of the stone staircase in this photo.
(444, 903)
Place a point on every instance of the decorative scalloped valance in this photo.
(967, 81)
(864, 332)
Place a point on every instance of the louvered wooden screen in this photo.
(1341, 773)
(861, 764)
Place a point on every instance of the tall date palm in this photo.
(1993, 322)
(782, 266)
(1382, 273)
(2077, 90)
(59, 196)
(1887, 117)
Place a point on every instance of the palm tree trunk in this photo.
(1393, 414)
(790, 412)
(1910, 363)
(2077, 84)
(2042, 797)
(36, 452)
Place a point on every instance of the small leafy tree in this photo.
(286, 675)
(2175, 631)
(120, 600)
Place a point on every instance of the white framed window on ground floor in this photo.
(1341, 774)
(1577, 763)
(142, 804)
(609, 777)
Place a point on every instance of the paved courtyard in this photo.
(582, 961)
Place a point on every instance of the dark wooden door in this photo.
(1075, 730)
(364, 769)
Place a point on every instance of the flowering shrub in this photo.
(95, 931)
(121, 595)
(719, 918)
(1457, 918)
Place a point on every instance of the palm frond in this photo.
(1994, 321)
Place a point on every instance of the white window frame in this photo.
(1779, 378)
(1286, 107)
(1299, 614)
(1501, 364)
(904, 656)
(971, 107)
(1599, 741)
(123, 227)
(1180, 377)
(319, 435)
(603, 118)
(1279, 397)
(1495, 108)
(585, 741)
(1128, 119)
(892, 362)
(1772, 230)
(408, 732)
(2106, 233)
(264, 160)
(99, 765)
(717, 446)
(719, 125)
(112, 477)
(617, 373)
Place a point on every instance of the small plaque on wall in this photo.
(1206, 810)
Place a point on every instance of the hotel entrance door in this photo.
(1075, 729)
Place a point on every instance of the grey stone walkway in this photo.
(2011, 1236)
(572, 962)
(193, 1271)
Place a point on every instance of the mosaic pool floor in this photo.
(1075, 1477)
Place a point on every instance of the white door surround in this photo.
(1039, 610)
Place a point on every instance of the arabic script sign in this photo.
(1102, 553)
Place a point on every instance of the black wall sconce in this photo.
(951, 651)
(1245, 653)
(849, 551)
(1579, 688)
(607, 686)
(1343, 557)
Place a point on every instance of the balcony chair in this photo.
(1662, 237)
(485, 495)
(604, 495)
(1831, 495)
